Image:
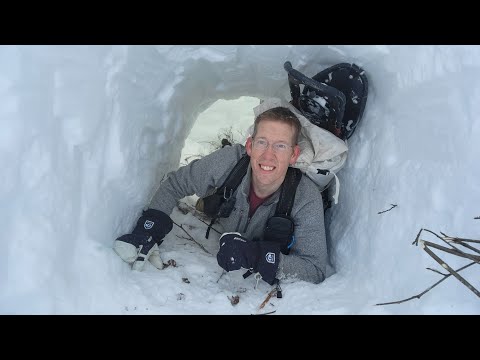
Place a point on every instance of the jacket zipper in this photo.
(246, 225)
(240, 218)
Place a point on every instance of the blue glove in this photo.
(258, 256)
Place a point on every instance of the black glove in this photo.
(258, 256)
(143, 242)
(280, 229)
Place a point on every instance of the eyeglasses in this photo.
(262, 145)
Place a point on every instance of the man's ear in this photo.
(248, 146)
(295, 155)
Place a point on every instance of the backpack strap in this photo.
(287, 193)
(234, 178)
(230, 184)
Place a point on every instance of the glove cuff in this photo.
(154, 223)
(268, 258)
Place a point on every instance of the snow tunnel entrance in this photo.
(228, 119)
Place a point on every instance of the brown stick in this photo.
(415, 242)
(451, 271)
(458, 240)
(191, 238)
(393, 205)
(467, 246)
(430, 231)
(455, 251)
(267, 299)
(450, 251)
(438, 272)
(223, 273)
(446, 242)
(423, 292)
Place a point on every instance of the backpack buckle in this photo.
(225, 193)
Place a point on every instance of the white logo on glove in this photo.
(270, 257)
(148, 224)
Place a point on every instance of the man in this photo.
(272, 149)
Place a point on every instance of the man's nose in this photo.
(269, 152)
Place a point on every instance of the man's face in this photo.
(269, 166)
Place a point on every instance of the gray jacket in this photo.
(308, 256)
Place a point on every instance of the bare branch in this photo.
(469, 240)
(460, 241)
(445, 241)
(431, 232)
(223, 273)
(267, 299)
(465, 245)
(431, 287)
(450, 270)
(393, 205)
(218, 232)
(457, 239)
(439, 272)
(191, 238)
(455, 251)
(450, 251)
(415, 242)
(225, 133)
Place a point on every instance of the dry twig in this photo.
(461, 241)
(438, 272)
(192, 239)
(426, 245)
(418, 296)
(381, 212)
(446, 240)
(267, 299)
(223, 273)
(451, 271)
(450, 251)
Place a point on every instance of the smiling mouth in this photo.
(267, 168)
